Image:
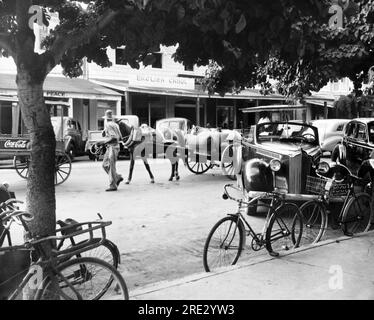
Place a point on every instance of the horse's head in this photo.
(124, 127)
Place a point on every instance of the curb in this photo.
(162, 285)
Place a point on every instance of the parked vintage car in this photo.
(279, 155)
(330, 132)
(356, 147)
(96, 135)
(71, 134)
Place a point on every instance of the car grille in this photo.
(299, 168)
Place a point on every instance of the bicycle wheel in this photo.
(224, 243)
(107, 251)
(285, 229)
(84, 278)
(357, 214)
(315, 222)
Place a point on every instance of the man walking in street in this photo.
(113, 135)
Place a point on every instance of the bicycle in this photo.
(59, 276)
(282, 229)
(355, 216)
(107, 250)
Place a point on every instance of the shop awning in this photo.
(62, 87)
(277, 107)
(122, 85)
(320, 102)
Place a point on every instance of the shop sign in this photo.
(13, 144)
(55, 94)
(162, 82)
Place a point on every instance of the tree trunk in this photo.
(40, 196)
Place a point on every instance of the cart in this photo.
(17, 146)
(209, 148)
(203, 148)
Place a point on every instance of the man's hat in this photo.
(108, 114)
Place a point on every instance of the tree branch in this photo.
(64, 42)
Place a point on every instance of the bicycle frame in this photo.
(277, 200)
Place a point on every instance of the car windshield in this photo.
(290, 132)
(174, 125)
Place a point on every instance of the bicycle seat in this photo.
(70, 226)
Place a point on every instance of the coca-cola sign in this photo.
(13, 144)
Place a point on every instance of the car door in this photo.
(79, 134)
(361, 149)
(349, 138)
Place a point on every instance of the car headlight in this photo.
(275, 165)
(323, 167)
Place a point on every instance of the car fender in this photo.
(339, 153)
(68, 141)
(366, 170)
(257, 175)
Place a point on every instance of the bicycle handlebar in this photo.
(11, 214)
(349, 174)
(259, 195)
(8, 203)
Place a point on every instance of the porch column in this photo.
(326, 111)
(118, 107)
(198, 111)
(15, 118)
(128, 109)
(149, 113)
(235, 124)
(70, 108)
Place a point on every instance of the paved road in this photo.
(160, 228)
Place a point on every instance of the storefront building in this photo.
(169, 89)
(83, 100)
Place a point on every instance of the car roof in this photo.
(363, 120)
(330, 120)
(172, 119)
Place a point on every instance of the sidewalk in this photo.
(334, 269)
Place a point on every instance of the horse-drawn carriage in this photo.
(17, 147)
(205, 148)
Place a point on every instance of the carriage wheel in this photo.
(62, 168)
(227, 163)
(197, 167)
(21, 164)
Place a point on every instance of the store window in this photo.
(225, 117)
(6, 118)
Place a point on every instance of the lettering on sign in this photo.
(163, 82)
(55, 93)
(15, 144)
